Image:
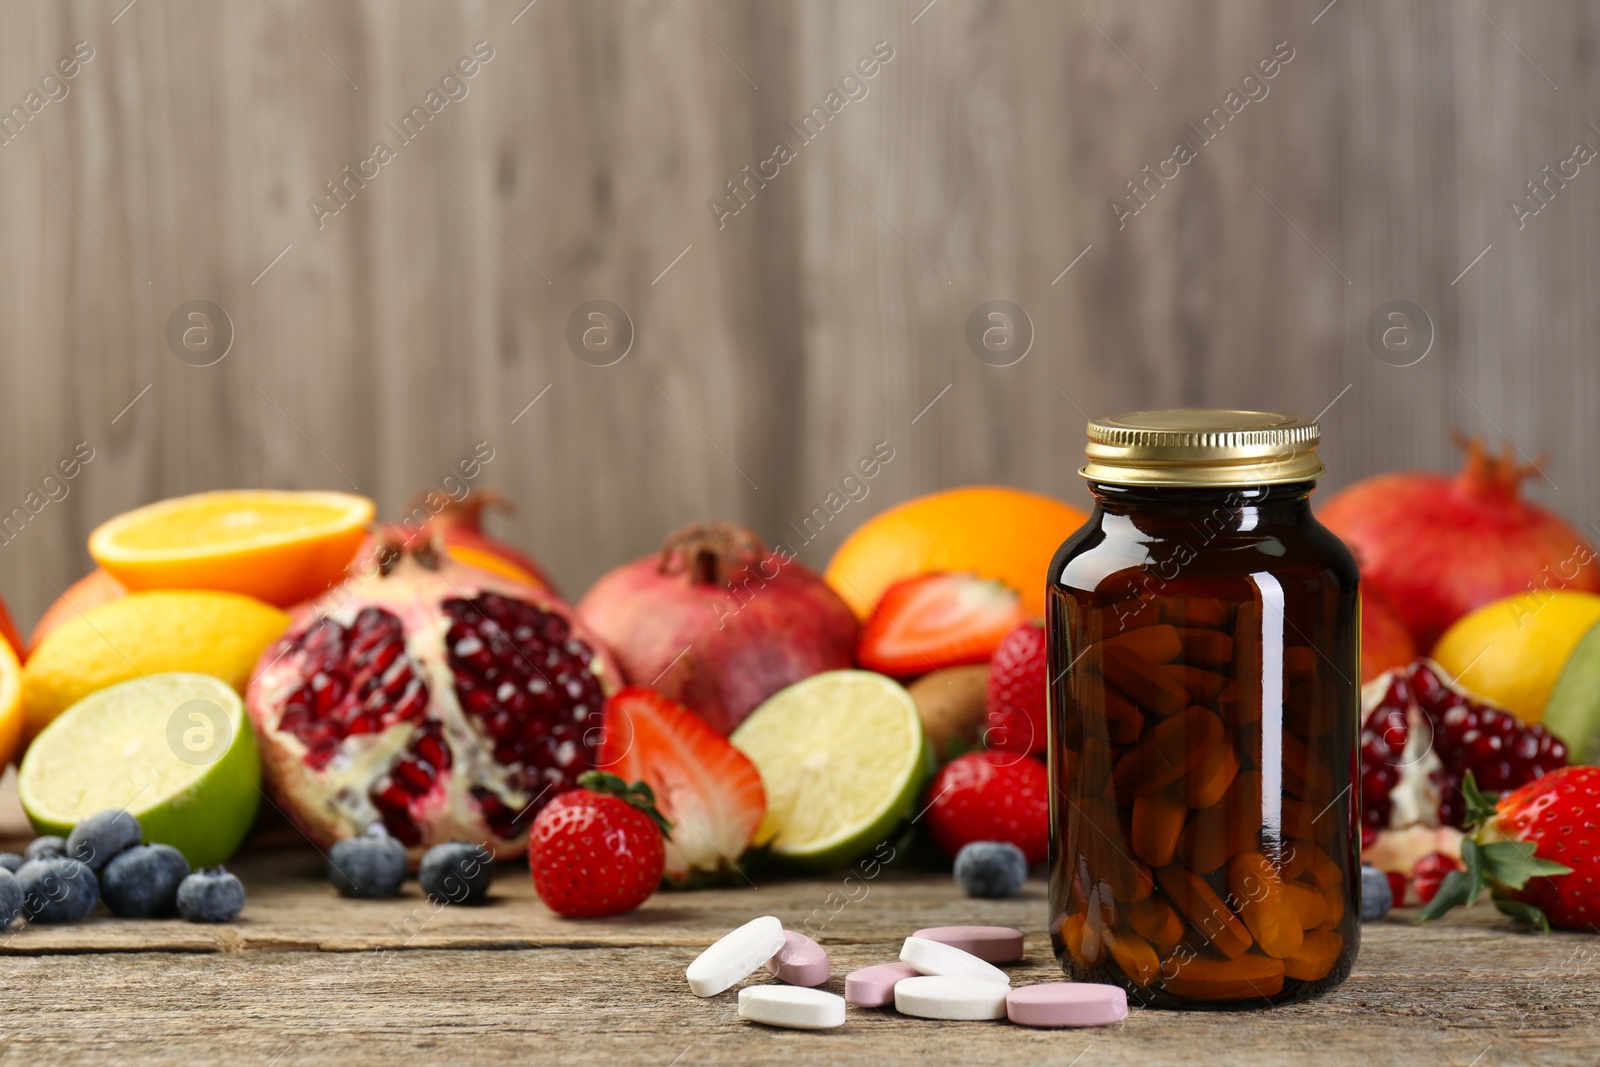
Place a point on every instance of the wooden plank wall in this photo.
(375, 347)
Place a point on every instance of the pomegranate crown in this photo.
(710, 552)
(1499, 477)
(391, 552)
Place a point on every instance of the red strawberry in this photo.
(1015, 697)
(938, 620)
(991, 796)
(1521, 849)
(707, 788)
(1560, 814)
(599, 849)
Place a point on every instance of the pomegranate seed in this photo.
(367, 723)
(412, 703)
(388, 795)
(430, 748)
(414, 774)
(1397, 887)
(1429, 874)
(385, 654)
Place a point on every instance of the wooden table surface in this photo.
(306, 977)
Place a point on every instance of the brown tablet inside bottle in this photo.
(1203, 645)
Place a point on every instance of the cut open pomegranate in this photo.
(1421, 733)
(431, 699)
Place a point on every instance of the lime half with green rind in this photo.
(843, 759)
(175, 750)
(1573, 711)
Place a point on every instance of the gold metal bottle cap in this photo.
(1201, 447)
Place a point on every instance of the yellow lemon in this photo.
(220, 634)
(1511, 651)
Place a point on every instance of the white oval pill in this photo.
(946, 997)
(931, 957)
(735, 955)
(795, 1007)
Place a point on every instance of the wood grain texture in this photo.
(307, 977)
(824, 317)
(303, 975)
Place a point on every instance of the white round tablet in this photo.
(795, 1007)
(945, 997)
(737, 954)
(931, 957)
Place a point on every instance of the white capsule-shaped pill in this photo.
(933, 996)
(931, 957)
(735, 955)
(796, 1007)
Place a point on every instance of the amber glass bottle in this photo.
(1203, 643)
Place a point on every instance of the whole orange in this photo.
(993, 530)
(90, 591)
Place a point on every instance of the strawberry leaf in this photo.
(1512, 863)
(1455, 889)
(638, 795)
(1526, 913)
(1480, 805)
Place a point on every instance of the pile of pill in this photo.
(947, 972)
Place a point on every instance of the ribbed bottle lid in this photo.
(1200, 447)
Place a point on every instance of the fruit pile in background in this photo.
(417, 697)
(1500, 596)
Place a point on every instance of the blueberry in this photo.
(211, 895)
(98, 839)
(142, 882)
(457, 872)
(367, 866)
(11, 861)
(10, 898)
(57, 890)
(1376, 895)
(44, 848)
(991, 869)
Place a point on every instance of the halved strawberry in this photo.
(938, 620)
(708, 790)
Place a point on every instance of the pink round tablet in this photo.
(1066, 1004)
(801, 961)
(873, 987)
(992, 944)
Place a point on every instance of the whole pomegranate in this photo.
(1385, 644)
(431, 699)
(1435, 546)
(717, 623)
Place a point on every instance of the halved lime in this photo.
(842, 757)
(1573, 711)
(175, 750)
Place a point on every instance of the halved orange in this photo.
(280, 547)
(11, 715)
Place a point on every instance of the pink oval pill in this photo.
(992, 944)
(801, 961)
(1066, 1004)
(873, 987)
